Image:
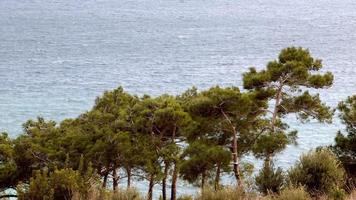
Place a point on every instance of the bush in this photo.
(293, 194)
(319, 171)
(269, 179)
(59, 184)
(337, 194)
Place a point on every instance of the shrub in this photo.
(39, 188)
(337, 194)
(319, 171)
(59, 184)
(269, 179)
(293, 194)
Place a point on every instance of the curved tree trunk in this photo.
(115, 180)
(202, 181)
(236, 167)
(150, 188)
(128, 171)
(105, 179)
(164, 181)
(174, 181)
(217, 177)
(276, 106)
(235, 158)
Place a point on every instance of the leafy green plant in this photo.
(319, 171)
(59, 184)
(337, 194)
(269, 179)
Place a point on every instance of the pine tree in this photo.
(285, 82)
(229, 118)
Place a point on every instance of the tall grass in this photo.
(291, 193)
(226, 194)
(99, 194)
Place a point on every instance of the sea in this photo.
(56, 56)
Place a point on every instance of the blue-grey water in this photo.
(57, 56)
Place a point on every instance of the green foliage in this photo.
(8, 167)
(59, 184)
(345, 146)
(269, 180)
(201, 160)
(306, 106)
(227, 118)
(319, 172)
(272, 143)
(337, 194)
(294, 68)
(218, 111)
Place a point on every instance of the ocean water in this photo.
(57, 56)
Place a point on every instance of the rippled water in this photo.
(57, 56)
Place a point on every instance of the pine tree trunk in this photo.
(174, 181)
(202, 181)
(114, 180)
(235, 158)
(236, 167)
(217, 177)
(274, 116)
(105, 179)
(164, 181)
(275, 111)
(150, 188)
(268, 160)
(128, 171)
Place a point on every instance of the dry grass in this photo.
(98, 194)
(209, 194)
(292, 194)
(226, 194)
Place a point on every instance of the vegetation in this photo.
(284, 82)
(318, 171)
(197, 136)
(345, 147)
(298, 193)
(270, 180)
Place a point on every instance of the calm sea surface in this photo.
(57, 56)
